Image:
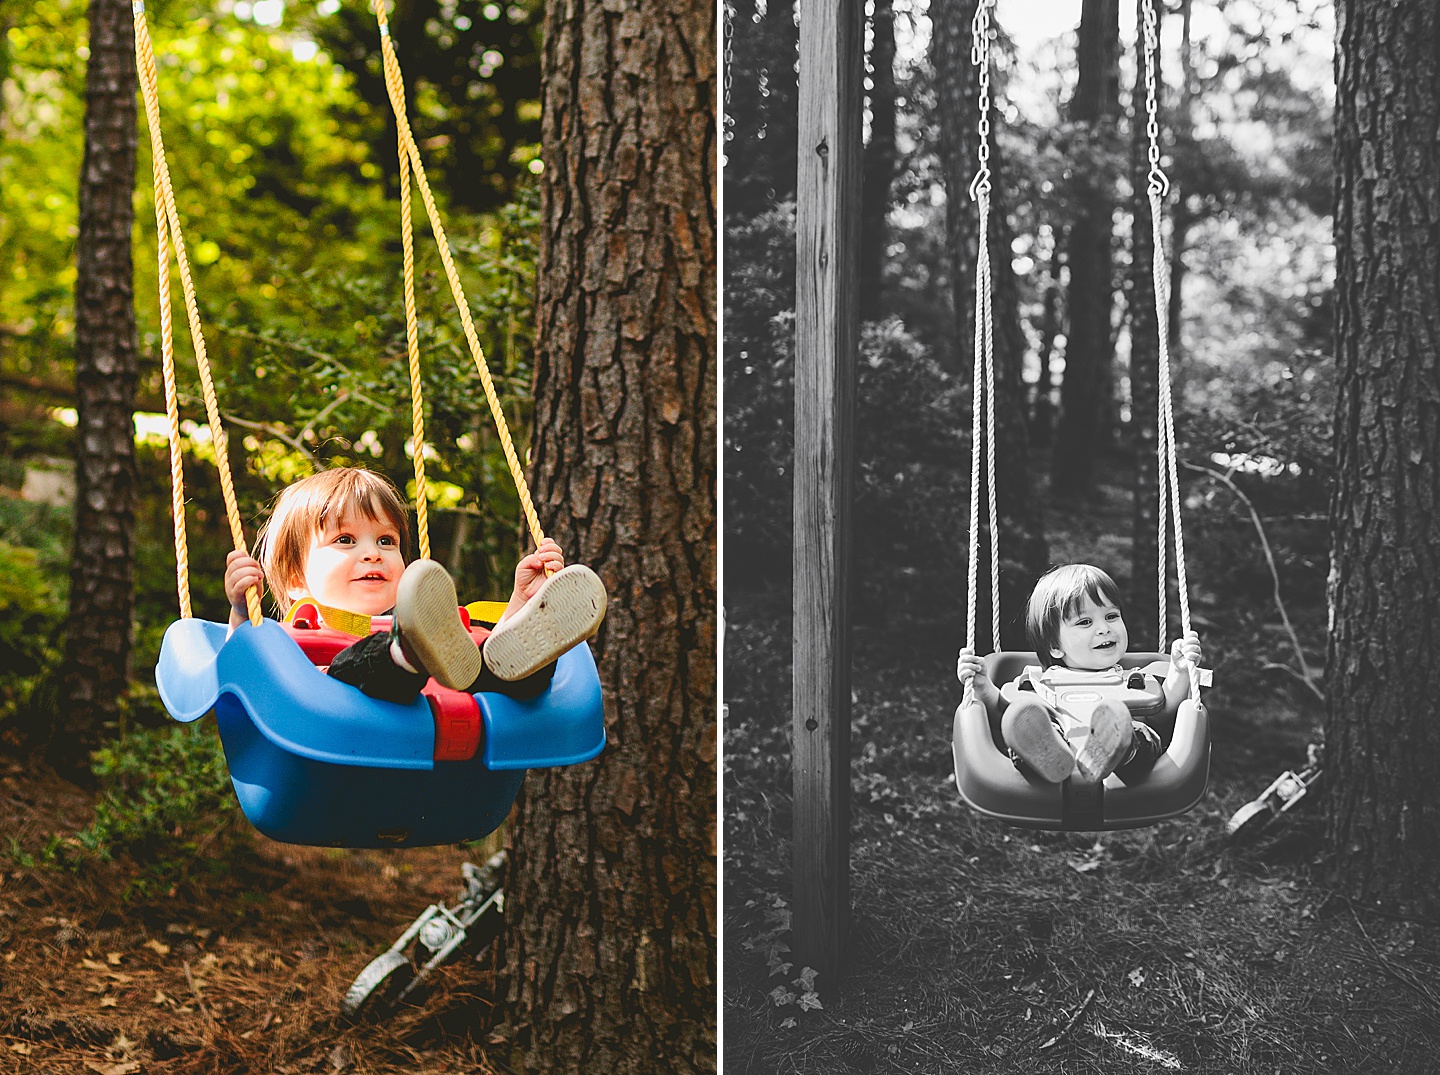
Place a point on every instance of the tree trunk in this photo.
(1144, 371)
(1181, 218)
(97, 648)
(1089, 349)
(610, 959)
(879, 160)
(1022, 539)
(1042, 415)
(1382, 672)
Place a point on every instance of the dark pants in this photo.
(368, 665)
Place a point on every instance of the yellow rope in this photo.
(395, 86)
(145, 64)
(412, 343)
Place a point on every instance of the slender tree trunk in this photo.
(1382, 670)
(1144, 371)
(1089, 349)
(97, 649)
(879, 160)
(1022, 539)
(1042, 418)
(1181, 218)
(611, 945)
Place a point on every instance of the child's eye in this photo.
(1112, 615)
(344, 539)
(388, 540)
(1084, 621)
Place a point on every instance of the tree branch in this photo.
(1225, 479)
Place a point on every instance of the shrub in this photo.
(32, 613)
(164, 796)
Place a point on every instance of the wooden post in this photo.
(827, 230)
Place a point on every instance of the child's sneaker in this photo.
(1111, 731)
(565, 611)
(1028, 730)
(428, 627)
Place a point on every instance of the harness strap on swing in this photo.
(395, 87)
(168, 224)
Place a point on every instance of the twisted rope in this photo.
(170, 232)
(982, 415)
(1167, 480)
(395, 87)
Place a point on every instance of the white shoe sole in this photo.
(427, 612)
(564, 612)
(1111, 731)
(1028, 730)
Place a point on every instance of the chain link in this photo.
(729, 65)
(980, 58)
(1159, 182)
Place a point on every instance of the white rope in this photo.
(1167, 479)
(982, 414)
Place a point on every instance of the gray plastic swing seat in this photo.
(991, 783)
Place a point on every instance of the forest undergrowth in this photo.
(976, 947)
(236, 964)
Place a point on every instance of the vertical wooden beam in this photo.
(827, 240)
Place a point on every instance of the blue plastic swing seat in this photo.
(990, 782)
(314, 761)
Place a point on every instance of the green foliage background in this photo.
(282, 157)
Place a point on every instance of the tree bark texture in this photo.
(1144, 375)
(611, 948)
(1089, 350)
(97, 649)
(1022, 540)
(1382, 670)
(879, 160)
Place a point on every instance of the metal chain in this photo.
(1159, 182)
(729, 65)
(980, 58)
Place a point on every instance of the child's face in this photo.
(355, 565)
(1094, 638)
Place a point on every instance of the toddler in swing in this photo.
(338, 540)
(1076, 624)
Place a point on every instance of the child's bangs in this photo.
(1095, 585)
(372, 498)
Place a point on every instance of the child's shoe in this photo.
(428, 627)
(1028, 730)
(1111, 731)
(565, 611)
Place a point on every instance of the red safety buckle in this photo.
(457, 722)
(306, 618)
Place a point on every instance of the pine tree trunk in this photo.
(1022, 538)
(1144, 375)
(97, 649)
(611, 946)
(1382, 671)
(879, 160)
(1089, 345)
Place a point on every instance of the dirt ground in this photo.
(232, 970)
(982, 949)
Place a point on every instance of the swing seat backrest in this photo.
(990, 782)
(316, 762)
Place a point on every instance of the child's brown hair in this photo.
(1059, 595)
(302, 510)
